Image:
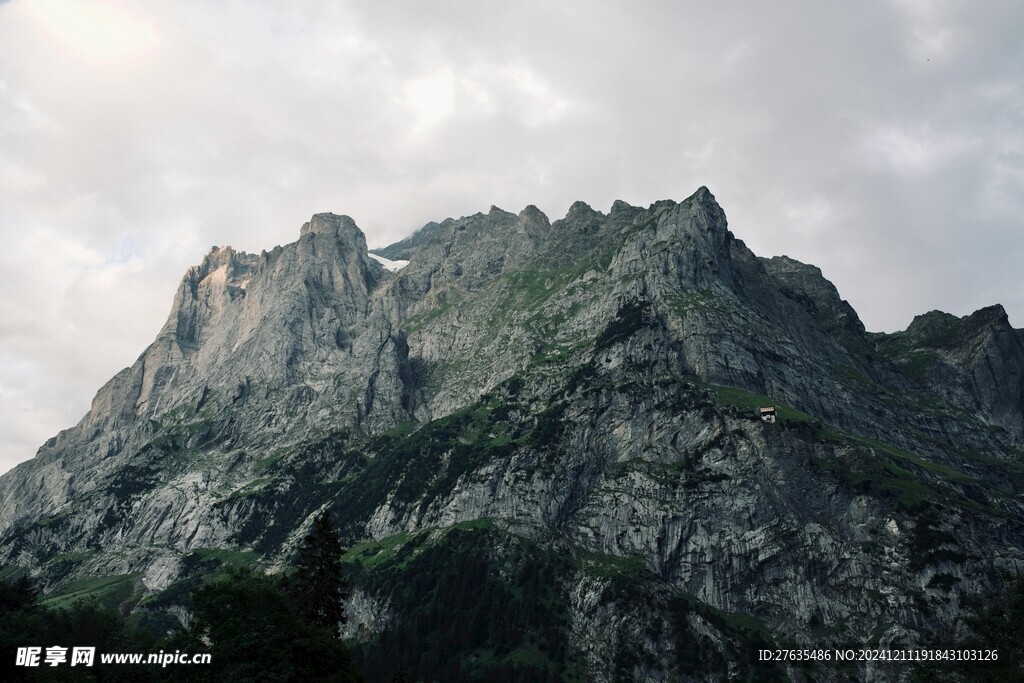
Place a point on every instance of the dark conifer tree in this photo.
(19, 594)
(318, 585)
(997, 620)
(253, 632)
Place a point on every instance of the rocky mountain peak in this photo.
(932, 325)
(694, 238)
(533, 214)
(219, 253)
(806, 285)
(783, 265)
(222, 265)
(703, 194)
(581, 209)
(661, 205)
(625, 212)
(976, 361)
(331, 223)
(938, 329)
(703, 207)
(990, 315)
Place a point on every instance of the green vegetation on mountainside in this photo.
(479, 604)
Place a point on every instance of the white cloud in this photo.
(541, 103)
(19, 180)
(100, 34)
(917, 149)
(930, 27)
(430, 99)
(810, 216)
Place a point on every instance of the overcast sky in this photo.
(881, 141)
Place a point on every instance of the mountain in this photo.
(542, 442)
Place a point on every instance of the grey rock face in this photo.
(257, 353)
(591, 379)
(975, 362)
(806, 285)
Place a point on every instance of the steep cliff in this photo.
(568, 409)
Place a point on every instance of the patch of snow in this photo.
(393, 266)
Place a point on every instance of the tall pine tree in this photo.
(318, 585)
(254, 633)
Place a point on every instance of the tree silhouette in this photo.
(318, 585)
(253, 632)
(997, 620)
(19, 594)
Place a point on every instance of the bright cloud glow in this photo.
(541, 105)
(431, 99)
(101, 33)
